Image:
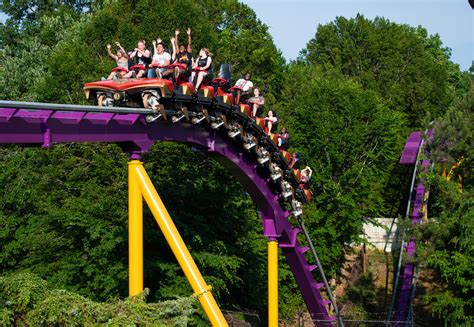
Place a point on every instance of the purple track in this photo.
(405, 290)
(45, 127)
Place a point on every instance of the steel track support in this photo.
(272, 283)
(135, 231)
(202, 291)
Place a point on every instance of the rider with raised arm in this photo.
(182, 55)
(305, 179)
(161, 61)
(121, 58)
(203, 67)
(142, 58)
(256, 102)
(243, 87)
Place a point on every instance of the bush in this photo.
(27, 299)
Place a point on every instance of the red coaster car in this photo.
(137, 93)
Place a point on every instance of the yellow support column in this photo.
(272, 283)
(201, 290)
(135, 231)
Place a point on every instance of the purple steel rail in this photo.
(410, 155)
(45, 127)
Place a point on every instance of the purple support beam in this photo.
(42, 128)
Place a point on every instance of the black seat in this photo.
(225, 73)
(224, 79)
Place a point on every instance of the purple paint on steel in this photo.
(136, 136)
(405, 290)
(411, 148)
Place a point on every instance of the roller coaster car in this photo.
(143, 92)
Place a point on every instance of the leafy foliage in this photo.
(449, 249)
(28, 300)
(363, 292)
(351, 141)
(408, 68)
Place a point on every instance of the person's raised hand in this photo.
(154, 43)
(172, 40)
(188, 31)
(109, 46)
(117, 44)
(176, 32)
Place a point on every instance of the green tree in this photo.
(351, 141)
(410, 69)
(29, 12)
(446, 242)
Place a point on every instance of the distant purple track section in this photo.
(405, 290)
(44, 127)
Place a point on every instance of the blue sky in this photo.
(293, 23)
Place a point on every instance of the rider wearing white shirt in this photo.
(246, 85)
(160, 58)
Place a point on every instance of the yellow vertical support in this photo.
(272, 283)
(135, 231)
(201, 290)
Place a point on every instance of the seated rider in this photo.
(305, 177)
(161, 61)
(284, 139)
(295, 161)
(183, 56)
(256, 103)
(246, 85)
(271, 121)
(121, 58)
(203, 67)
(141, 56)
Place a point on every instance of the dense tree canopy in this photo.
(410, 69)
(351, 140)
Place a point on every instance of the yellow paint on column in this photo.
(201, 290)
(135, 231)
(272, 283)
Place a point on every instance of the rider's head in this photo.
(160, 47)
(141, 45)
(256, 91)
(182, 48)
(247, 76)
(204, 52)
